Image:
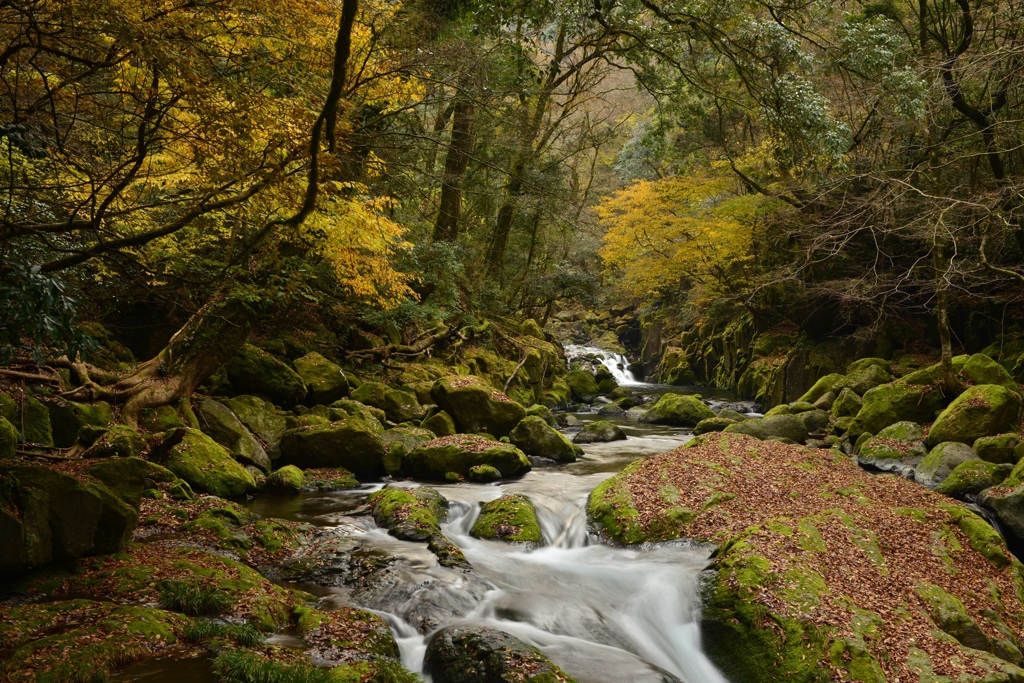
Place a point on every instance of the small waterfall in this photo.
(616, 363)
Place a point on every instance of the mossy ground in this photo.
(811, 549)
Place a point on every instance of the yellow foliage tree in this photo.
(679, 231)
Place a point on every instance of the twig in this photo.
(516, 371)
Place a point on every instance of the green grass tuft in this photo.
(188, 597)
(232, 666)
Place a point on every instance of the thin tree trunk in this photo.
(446, 228)
(950, 384)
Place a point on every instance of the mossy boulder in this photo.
(120, 441)
(460, 453)
(998, 449)
(32, 418)
(47, 515)
(821, 387)
(206, 465)
(814, 419)
(260, 416)
(511, 518)
(222, 425)
(583, 385)
(254, 371)
(402, 406)
(1006, 500)
(410, 437)
(895, 402)
(476, 406)
(847, 404)
(416, 515)
(288, 479)
(865, 374)
(543, 412)
(897, 448)
(712, 424)
(678, 410)
(440, 423)
(8, 439)
(980, 369)
(941, 461)
(374, 417)
(600, 431)
(353, 443)
(973, 477)
(161, 419)
(67, 418)
(325, 381)
(786, 426)
(470, 655)
(130, 477)
(982, 410)
(534, 436)
(804, 564)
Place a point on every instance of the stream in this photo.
(602, 613)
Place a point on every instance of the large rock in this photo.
(895, 402)
(353, 443)
(206, 465)
(998, 449)
(120, 441)
(897, 448)
(865, 374)
(511, 518)
(813, 555)
(534, 436)
(67, 418)
(49, 516)
(847, 404)
(981, 369)
(823, 386)
(982, 410)
(972, 477)
(402, 406)
(678, 410)
(941, 461)
(476, 406)
(789, 427)
(712, 424)
(583, 385)
(288, 479)
(223, 426)
(600, 431)
(260, 416)
(460, 453)
(254, 371)
(473, 655)
(410, 437)
(372, 394)
(440, 423)
(416, 515)
(324, 380)
(129, 478)
(8, 439)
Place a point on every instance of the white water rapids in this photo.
(616, 363)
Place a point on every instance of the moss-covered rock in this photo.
(120, 441)
(459, 454)
(130, 477)
(410, 437)
(324, 380)
(339, 410)
(222, 425)
(440, 423)
(973, 477)
(534, 436)
(475, 406)
(583, 385)
(484, 473)
(352, 443)
(416, 515)
(897, 448)
(8, 439)
(865, 374)
(678, 410)
(814, 419)
(941, 461)
(895, 402)
(511, 518)
(712, 424)
(372, 394)
(998, 449)
(600, 431)
(161, 419)
(46, 516)
(803, 565)
(786, 426)
(288, 479)
(543, 412)
(469, 655)
(260, 416)
(67, 419)
(980, 369)
(206, 465)
(982, 410)
(402, 406)
(33, 421)
(821, 387)
(254, 371)
(847, 404)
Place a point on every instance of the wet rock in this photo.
(471, 655)
(600, 431)
(941, 461)
(325, 381)
(511, 518)
(712, 424)
(583, 385)
(254, 371)
(223, 426)
(353, 443)
(982, 410)
(288, 479)
(206, 465)
(535, 437)
(786, 426)
(475, 406)
(459, 454)
(416, 515)
(897, 448)
(678, 410)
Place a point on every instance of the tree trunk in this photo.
(456, 162)
(950, 384)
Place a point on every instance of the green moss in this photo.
(610, 507)
(189, 597)
(207, 466)
(511, 518)
(982, 537)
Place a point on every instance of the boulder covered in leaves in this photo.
(455, 456)
(476, 406)
(823, 571)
